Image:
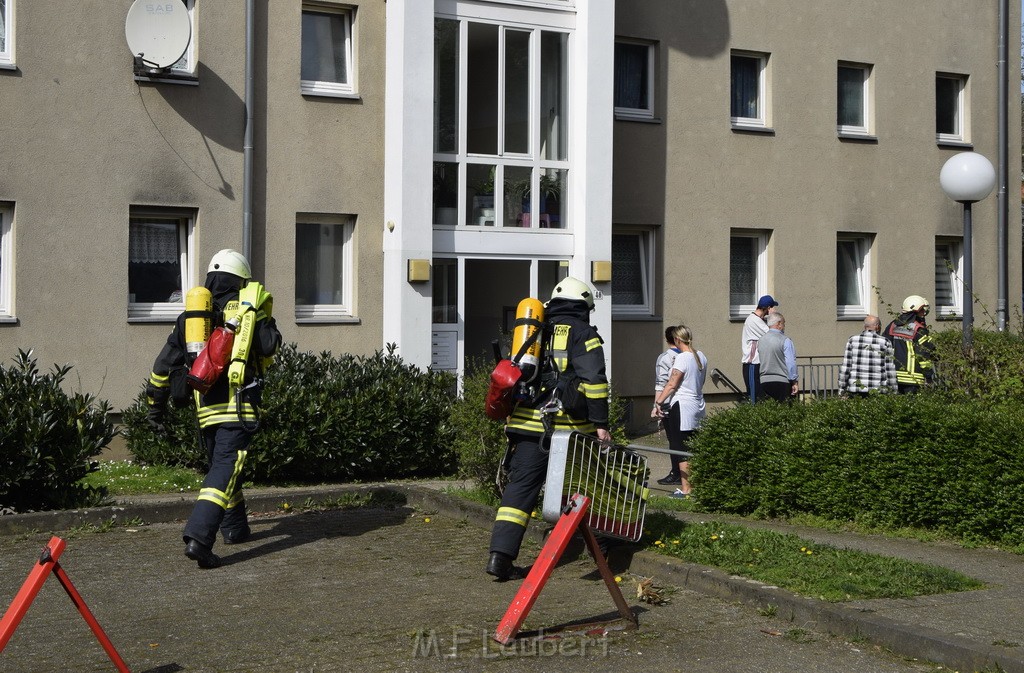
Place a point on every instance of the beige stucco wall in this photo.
(695, 178)
(83, 141)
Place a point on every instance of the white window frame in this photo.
(865, 127)
(344, 311)
(760, 269)
(186, 65)
(7, 52)
(761, 119)
(960, 135)
(862, 276)
(346, 89)
(646, 110)
(954, 251)
(542, 170)
(645, 241)
(6, 262)
(168, 310)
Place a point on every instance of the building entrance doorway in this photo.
(475, 302)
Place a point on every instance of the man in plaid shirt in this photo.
(868, 362)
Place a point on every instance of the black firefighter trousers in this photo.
(527, 473)
(221, 505)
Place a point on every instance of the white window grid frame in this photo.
(344, 310)
(955, 253)
(646, 241)
(763, 101)
(7, 52)
(762, 237)
(348, 88)
(646, 112)
(189, 61)
(866, 100)
(960, 136)
(6, 261)
(169, 310)
(502, 159)
(864, 244)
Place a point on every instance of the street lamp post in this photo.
(967, 177)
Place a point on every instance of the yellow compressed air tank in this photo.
(198, 323)
(529, 319)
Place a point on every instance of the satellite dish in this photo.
(158, 32)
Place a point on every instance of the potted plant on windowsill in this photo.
(517, 199)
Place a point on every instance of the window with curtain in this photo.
(949, 258)
(747, 87)
(6, 261)
(748, 270)
(323, 266)
(159, 268)
(327, 58)
(633, 272)
(634, 80)
(949, 107)
(853, 276)
(852, 113)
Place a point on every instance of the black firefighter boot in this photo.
(500, 565)
(201, 554)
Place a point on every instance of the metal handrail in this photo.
(719, 377)
(819, 376)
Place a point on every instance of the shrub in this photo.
(478, 441)
(994, 370)
(47, 438)
(327, 418)
(889, 460)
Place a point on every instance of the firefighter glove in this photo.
(155, 419)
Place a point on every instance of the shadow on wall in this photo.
(192, 103)
(701, 27)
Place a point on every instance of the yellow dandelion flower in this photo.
(714, 537)
(618, 579)
(809, 552)
(426, 519)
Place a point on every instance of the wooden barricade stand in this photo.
(572, 519)
(48, 562)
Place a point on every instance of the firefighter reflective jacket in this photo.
(221, 405)
(574, 369)
(913, 349)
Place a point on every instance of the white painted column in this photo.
(408, 157)
(593, 99)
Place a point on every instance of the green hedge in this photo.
(889, 460)
(326, 418)
(47, 438)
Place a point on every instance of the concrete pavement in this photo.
(403, 589)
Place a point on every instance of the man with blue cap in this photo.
(753, 329)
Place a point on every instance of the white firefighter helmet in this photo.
(575, 290)
(914, 302)
(231, 261)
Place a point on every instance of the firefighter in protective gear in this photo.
(913, 347)
(228, 412)
(573, 373)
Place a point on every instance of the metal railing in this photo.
(819, 375)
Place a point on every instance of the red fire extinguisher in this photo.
(213, 358)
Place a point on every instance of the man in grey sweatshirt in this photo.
(778, 361)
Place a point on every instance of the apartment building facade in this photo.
(416, 167)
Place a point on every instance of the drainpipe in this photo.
(1002, 180)
(247, 143)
